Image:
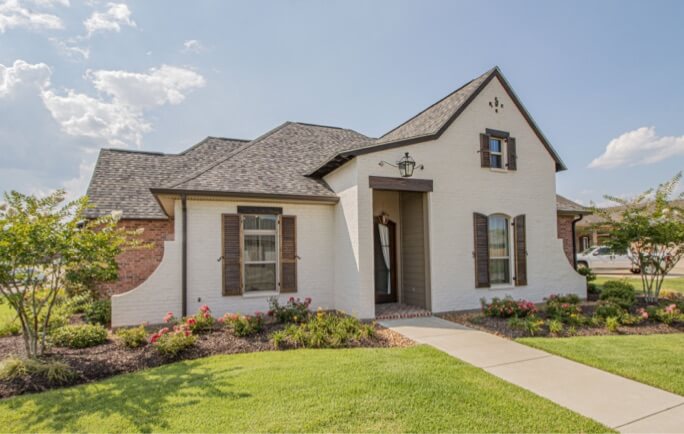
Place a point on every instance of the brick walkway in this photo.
(387, 311)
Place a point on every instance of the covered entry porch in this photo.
(401, 267)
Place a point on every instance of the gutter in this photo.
(574, 241)
(184, 265)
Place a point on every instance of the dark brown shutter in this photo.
(484, 151)
(481, 253)
(288, 253)
(232, 254)
(512, 155)
(519, 232)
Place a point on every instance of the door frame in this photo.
(393, 297)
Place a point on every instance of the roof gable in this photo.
(432, 122)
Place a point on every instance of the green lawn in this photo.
(657, 360)
(670, 284)
(6, 312)
(400, 389)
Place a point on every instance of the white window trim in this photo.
(510, 256)
(276, 233)
(503, 154)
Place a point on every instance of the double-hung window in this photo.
(499, 250)
(260, 255)
(496, 151)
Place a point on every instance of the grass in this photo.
(6, 313)
(670, 284)
(413, 389)
(652, 359)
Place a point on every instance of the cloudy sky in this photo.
(602, 79)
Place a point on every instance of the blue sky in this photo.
(161, 75)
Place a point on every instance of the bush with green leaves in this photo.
(564, 308)
(669, 314)
(608, 308)
(10, 328)
(294, 311)
(171, 342)
(612, 323)
(203, 321)
(588, 273)
(507, 307)
(133, 337)
(324, 330)
(55, 372)
(243, 325)
(79, 336)
(555, 327)
(98, 312)
(531, 324)
(620, 292)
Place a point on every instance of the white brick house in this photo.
(312, 211)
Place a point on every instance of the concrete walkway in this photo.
(617, 402)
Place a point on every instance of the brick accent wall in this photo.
(135, 266)
(565, 234)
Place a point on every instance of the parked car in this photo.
(598, 257)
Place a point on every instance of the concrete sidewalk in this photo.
(617, 402)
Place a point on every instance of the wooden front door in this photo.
(385, 292)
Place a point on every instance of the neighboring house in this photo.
(570, 216)
(314, 211)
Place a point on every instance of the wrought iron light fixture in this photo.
(406, 165)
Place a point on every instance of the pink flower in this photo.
(164, 330)
(643, 313)
(258, 313)
(307, 301)
(168, 317)
(191, 321)
(671, 308)
(291, 300)
(220, 320)
(204, 308)
(206, 315)
(154, 338)
(187, 333)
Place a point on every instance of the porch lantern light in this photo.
(406, 165)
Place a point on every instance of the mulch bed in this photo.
(500, 327)
(113, 358)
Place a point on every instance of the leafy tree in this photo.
(651, 227)
(44, 243)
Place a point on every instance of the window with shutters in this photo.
(496, 153)
(499, 250)
(260, 244)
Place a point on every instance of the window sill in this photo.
(494, 169)
(502, 287)
(259, 294)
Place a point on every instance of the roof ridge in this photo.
(490, 71)
(135, 151)
(204, 140)
(227, 157)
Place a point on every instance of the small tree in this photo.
(43, 242)
(651, 227)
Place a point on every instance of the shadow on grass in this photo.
(143, 399)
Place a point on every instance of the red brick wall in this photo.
(135, 266)
(565, 234)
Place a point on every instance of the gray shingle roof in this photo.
(275, 163)
(122, 178)
(564, 205)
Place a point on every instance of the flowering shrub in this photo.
(607, 308)
(133, 337)
(531, 323)
(619, 292)
(564, 308)
(324, 330)
(669, 314)
(295, 311)
(202, 321)
(507, 307)
(170, 343)
(243, 325)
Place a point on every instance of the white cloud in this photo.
(165, 85)
(22, 73)
(111, 20)
(71, 48)
(14, 15)
(193, 46)
(82, 115)
(638, 147)
(51, 3)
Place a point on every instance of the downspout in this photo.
(184, 265)
(574, 241)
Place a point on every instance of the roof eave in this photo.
(243, 194)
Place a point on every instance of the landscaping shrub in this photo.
(79, 336)
(295, 311)
(564, 308)
(133, 337)
(507, 307)
(54, 372)
(171, 342)
(612, 323)
(202, 321)
(98, 312)
(244, 325)
(674, 297)
(669, 314)
(555, 327)
(531, 324)
(619, 292)
(77, 303)
(593, 291)
(10, 328)
(588, 273)
(608, 308)
(324, 330)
